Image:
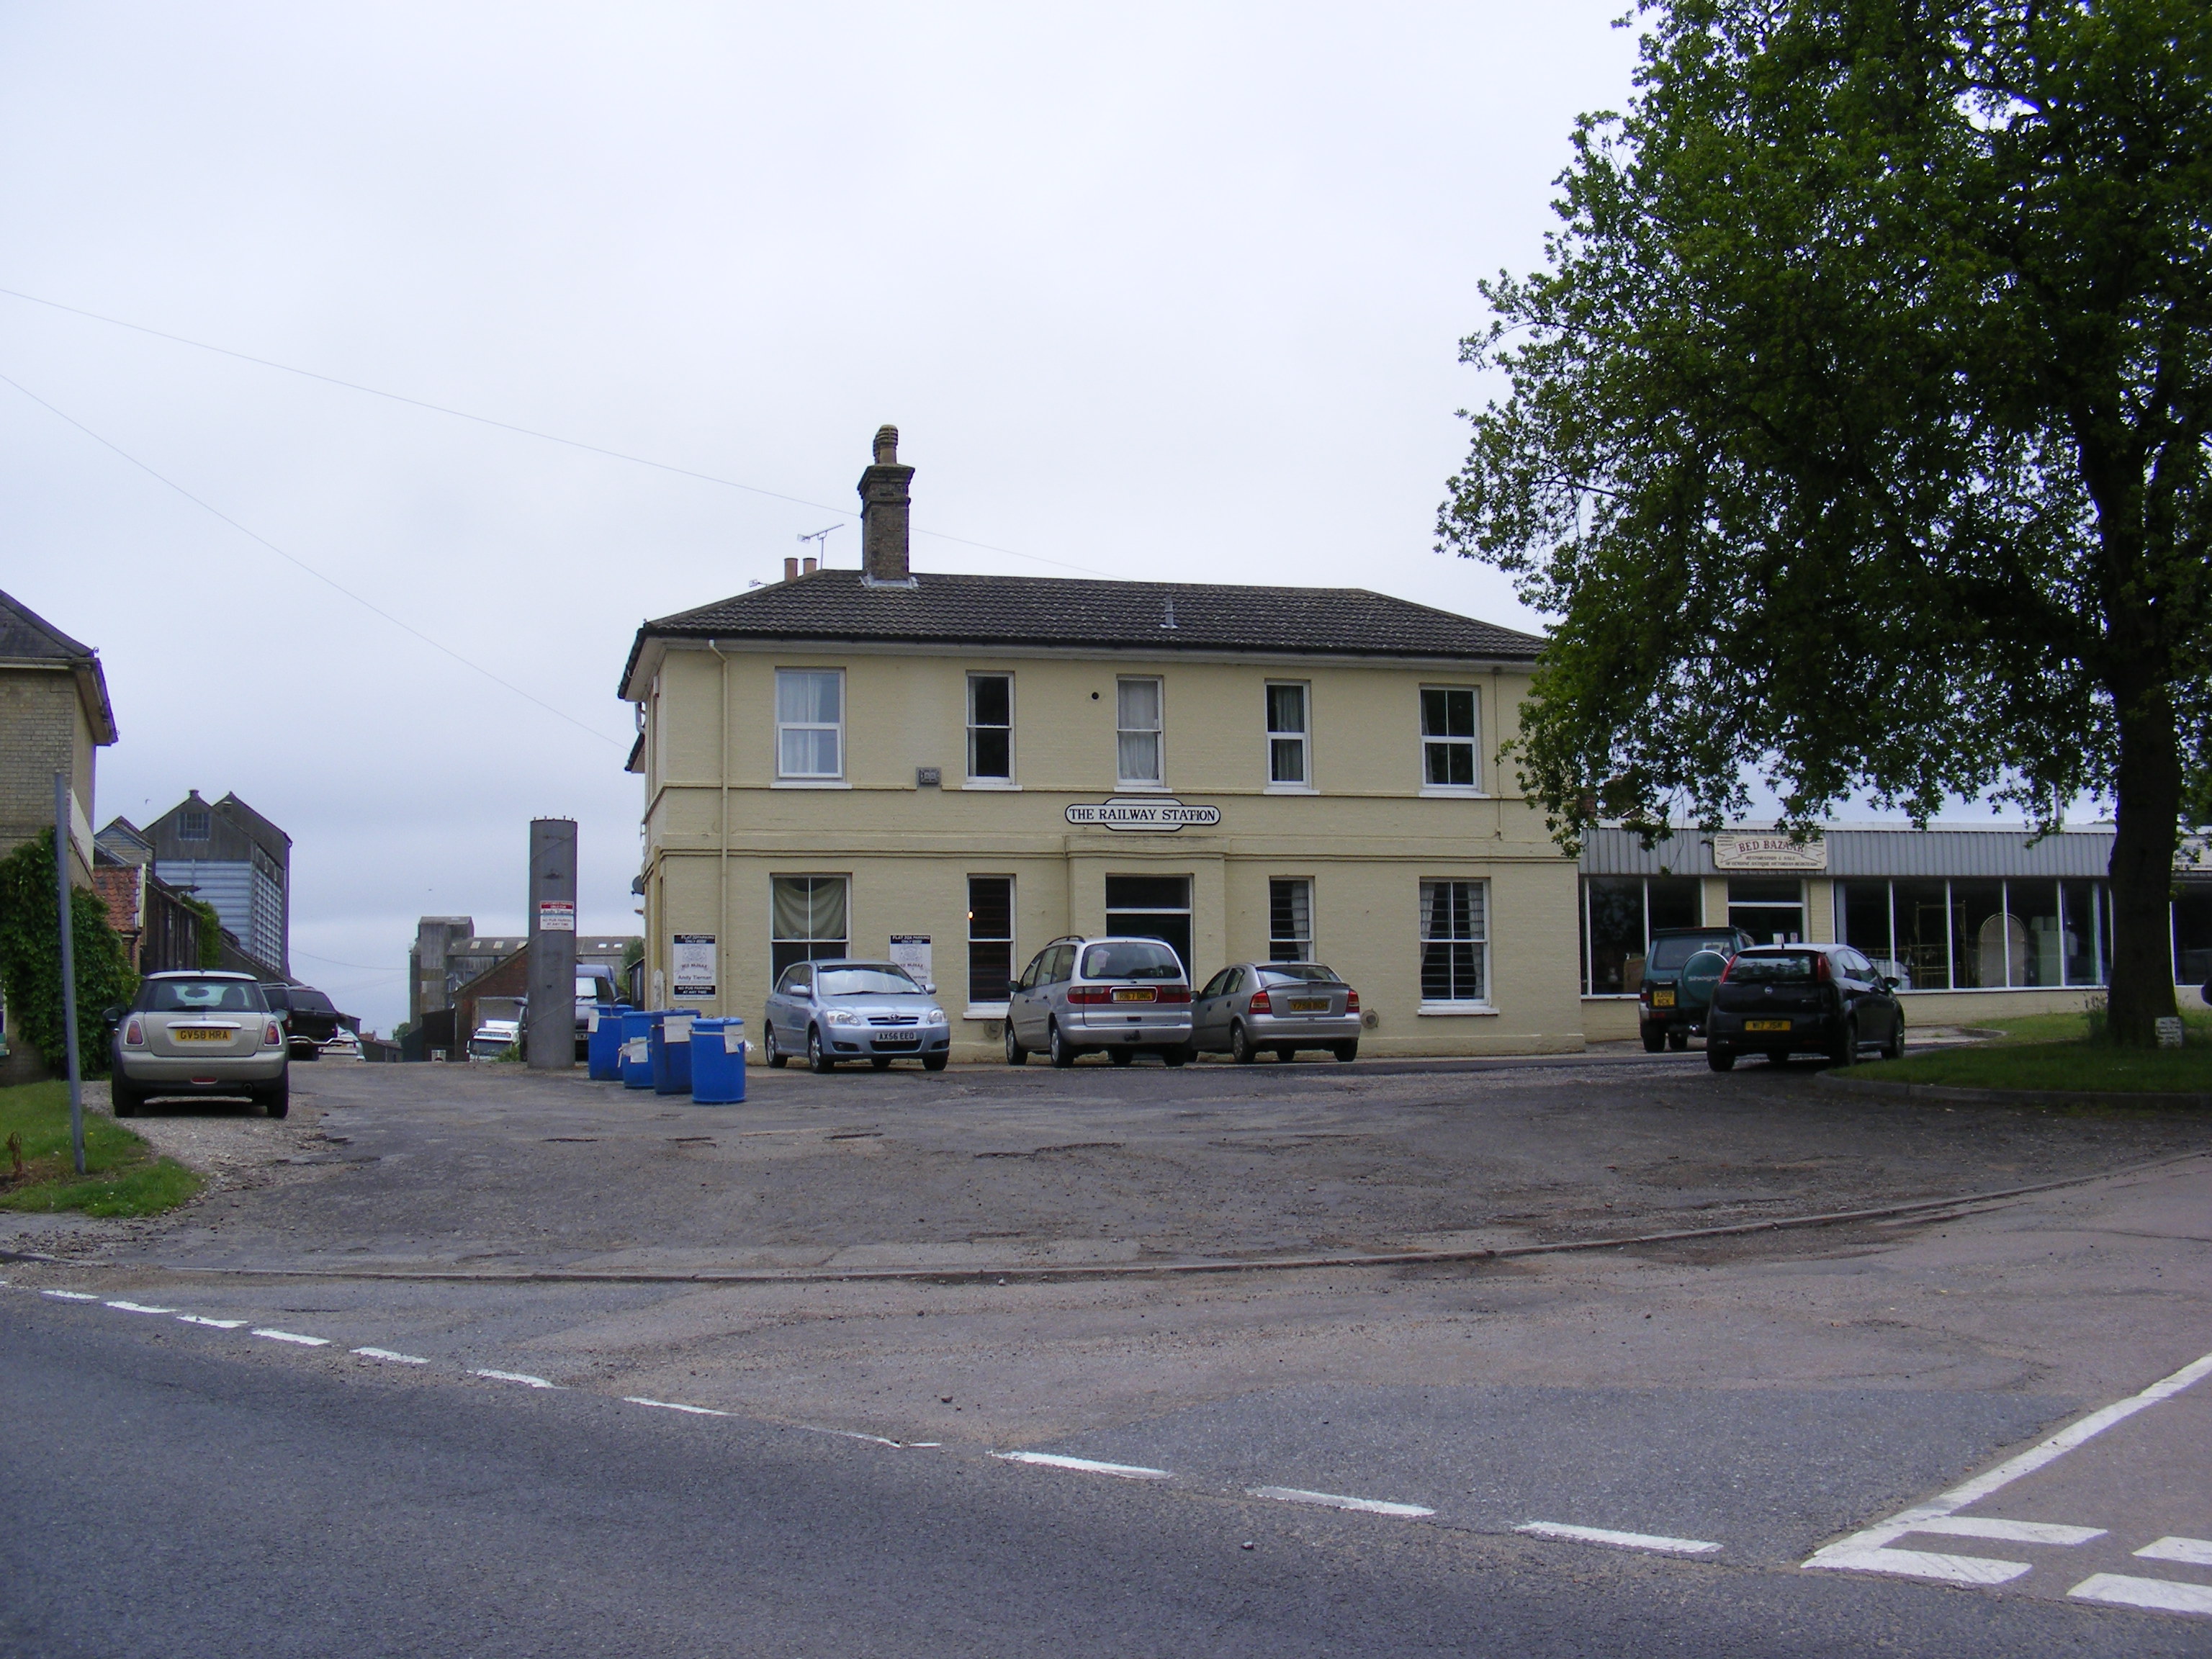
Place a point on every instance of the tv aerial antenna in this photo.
(820, 540)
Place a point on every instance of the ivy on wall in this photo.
(30, 960)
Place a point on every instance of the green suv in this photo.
(1670, 1009)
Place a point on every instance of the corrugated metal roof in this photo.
(1902, 853)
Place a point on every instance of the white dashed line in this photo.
(1867, 1551)
(294, 1336)
(388, 1357)
(1334, 1501)
(667, 1405)
(69, 1295)
(526, 1381)
(137, 1307)
(1625, 1541)
(855, 1434)
(2159, 1595)
(196, 1319)
(1048, 1460)
(2010, 1532)
(2193, 1552)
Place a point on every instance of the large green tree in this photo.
(1857, 432)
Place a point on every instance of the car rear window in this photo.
(200, 996)
(313, 1002)
(1309, 973)
(1131, 958)
(1671, 953)
(1772, 967)
(874, 981)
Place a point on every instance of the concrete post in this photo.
(69, 968)
(549, 1036)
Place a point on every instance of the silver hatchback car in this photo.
(1282, 1005)
(842, 1009)
(1123, 996)
(200, 1032)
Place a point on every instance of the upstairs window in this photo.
(991, 727)
(191, 826)
(1447, 738)
(1138, 703)
(1286, 735)
(809, 723)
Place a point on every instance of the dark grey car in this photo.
(844, 1009)
(1781, 1000)
(1283, 1006)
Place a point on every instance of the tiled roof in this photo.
(1047, 610)
(26, 636)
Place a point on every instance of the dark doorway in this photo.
(1151, 907)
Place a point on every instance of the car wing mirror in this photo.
(1013, 987)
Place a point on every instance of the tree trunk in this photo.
(2148, 807)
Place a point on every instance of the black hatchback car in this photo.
(1665, 1017)
(1781, 1000)
(311, 1019)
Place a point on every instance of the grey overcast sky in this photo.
(1154, 291)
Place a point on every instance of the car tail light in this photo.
(1260, 1004)
(1174, 994)
(134, 1034)
(1821, 973)
(270, 1036)
(1352, 1002)
(1727, 973)
(1083, 995)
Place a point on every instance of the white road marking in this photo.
(2010, 1532)
(1335, 1501)
(217, 1324)
(2196, 1552)
(671, 1405)
(1866, 1551)
(515, 1377)
(1051, 1460)
(294, 1336)
(69, 1295)
(138, 1307)
(1627, 1541)
(2160, 1594)
(855, 1434)
(386, 1355)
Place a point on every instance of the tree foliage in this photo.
(1857, 428)
(31, 964)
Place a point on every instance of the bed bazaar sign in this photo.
(1159, 816)
(1736, 851)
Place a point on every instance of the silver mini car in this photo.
(200, 1032)
(841, 1010)
(1123, 996)
(1283, 1006)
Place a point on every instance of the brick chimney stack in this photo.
(884, 507)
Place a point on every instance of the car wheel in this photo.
(1240, 1045)
(1120, 1057)
(1348, 1052)
(817, 1057)
(1894, 1047)
(776, 1057)
(929, 1062)
(122, 1099)
(1721, 1060)
(1178, 1055)
(277, 1099)
(1015, 1054)
(1057, 1048)
(1655, 1038)
(1678, 1040)
(1846, 1049)
(881, 1062)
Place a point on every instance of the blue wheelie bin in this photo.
(671, 1053)
(718, 1062)
(603, 1046)
(637, 1047)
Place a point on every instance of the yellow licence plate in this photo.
(196, 1034)
(1766, 1025)
(1309, 1005)
(1662, 998)
(1133, 996)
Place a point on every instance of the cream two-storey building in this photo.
(953, 770)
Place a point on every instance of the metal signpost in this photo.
(68, 967)
(549, 1038)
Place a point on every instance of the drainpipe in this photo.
(722, 958)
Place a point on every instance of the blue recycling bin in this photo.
(718, 1062)
(637, 1047)
(603, 1046)
(671, 1053)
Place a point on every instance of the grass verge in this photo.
(2052, 1051)
(122, 1177)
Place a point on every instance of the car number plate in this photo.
(895, 1042)
(198, 1034)
(1766, 1025)
(1134, 996)
(1309, 1005)
(1662, 998)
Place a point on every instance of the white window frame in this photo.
(973, 780)
(1305, 945)
(1159, 734)
(810, 779)
(1485, 1004)
(1452, 791)
(1302, 737)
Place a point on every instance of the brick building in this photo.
(54, 714)
(159, 931)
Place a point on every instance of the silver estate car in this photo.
(1283, 1006)
(841, 1010)
(200, 1032)
(1124, 996)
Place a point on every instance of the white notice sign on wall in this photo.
(691, 965)
(911, 952)
(554, 916)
